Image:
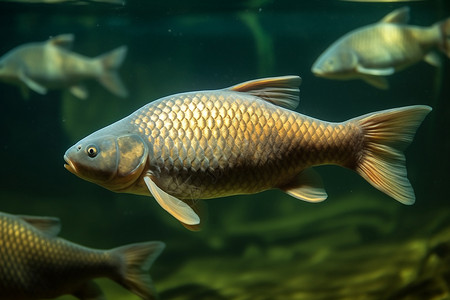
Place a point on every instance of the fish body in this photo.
(51, 65)
(381, 49)
(36, 264)
(241, 140)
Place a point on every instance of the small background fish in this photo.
(51, 64)
(35, 264)
(380, 49)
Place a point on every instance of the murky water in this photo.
(359, 244)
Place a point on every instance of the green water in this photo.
(359, 244)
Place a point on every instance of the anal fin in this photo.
(307, 186)
(376, 81)
(79, 91)
(433, 59)
(174, 206)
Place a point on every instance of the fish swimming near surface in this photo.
(242, 140)
(377, 50)
(36, 264)
(51, 65)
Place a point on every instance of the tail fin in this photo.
(137, 260)
(445, 33)
(110, 62)
(382, 162)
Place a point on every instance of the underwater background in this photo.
(358, 244)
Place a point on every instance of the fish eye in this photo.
(91, 151)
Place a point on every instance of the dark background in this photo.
(176, 46)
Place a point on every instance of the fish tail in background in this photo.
(134, 271)
(110, 63)
(445, 32)
(381, 161)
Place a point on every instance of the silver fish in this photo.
(242, 140)
(51, 65)
(381, 49)
(36, 264)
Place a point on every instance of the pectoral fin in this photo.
(375, 71)
(376, 81)
(199, 207)
(177, 208)
(306, 186)
(33, 85)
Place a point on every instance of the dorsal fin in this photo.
(282, 91)
(62, 40)
(398, 16)
(48, 225)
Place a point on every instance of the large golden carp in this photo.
(242, 140)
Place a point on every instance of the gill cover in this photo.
(132, 157)
(340, 62)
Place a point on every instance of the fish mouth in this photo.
(69, 165)
(317, 71)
